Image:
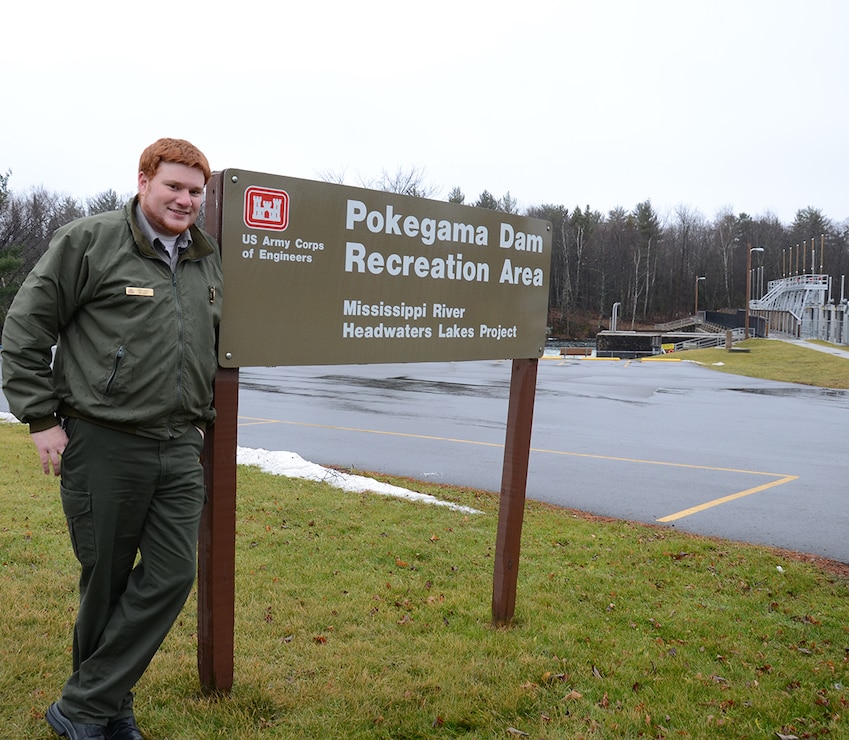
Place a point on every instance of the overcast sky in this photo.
(708, 104)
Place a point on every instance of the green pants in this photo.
(133, 507)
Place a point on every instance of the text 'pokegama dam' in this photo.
(430, 231)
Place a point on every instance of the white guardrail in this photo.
(709, 340)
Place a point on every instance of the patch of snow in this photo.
(293, 465)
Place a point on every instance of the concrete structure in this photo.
(801, 307)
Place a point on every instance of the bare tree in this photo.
(727, 231)
(406, 182)
(409, 181)
(560, 281)
(648, 230)
(337, 177)
(27, 223)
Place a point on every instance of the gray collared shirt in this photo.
(169, 248)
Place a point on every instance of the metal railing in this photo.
(708, 340)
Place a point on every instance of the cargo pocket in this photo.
(77, 508)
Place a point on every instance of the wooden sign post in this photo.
(514, 479)
(217, 537)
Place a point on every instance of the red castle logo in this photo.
(266, 208)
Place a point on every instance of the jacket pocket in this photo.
(77, 508)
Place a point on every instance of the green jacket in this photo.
(134, 342)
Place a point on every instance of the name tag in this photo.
(140, 291)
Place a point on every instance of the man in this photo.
(131, 300)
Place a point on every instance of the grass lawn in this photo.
(776, 360)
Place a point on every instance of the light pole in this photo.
(698, 278)
(750, 249)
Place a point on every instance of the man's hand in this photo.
(50, 444)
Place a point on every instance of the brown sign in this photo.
(318, 273)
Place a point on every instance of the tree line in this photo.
(650, 263)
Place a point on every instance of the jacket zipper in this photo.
(119, 355)
(181, 350)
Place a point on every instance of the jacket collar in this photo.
(200, 246)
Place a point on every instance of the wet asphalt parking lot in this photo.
(669, 443)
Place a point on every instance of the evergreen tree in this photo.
(456, 196)
(487, 200)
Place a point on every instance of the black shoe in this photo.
(123, 729)
(64, 727)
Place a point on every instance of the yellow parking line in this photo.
(780, 478)
(655, 462)
(253, 421)
(725, 499)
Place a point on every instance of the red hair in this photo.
(178, 151)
